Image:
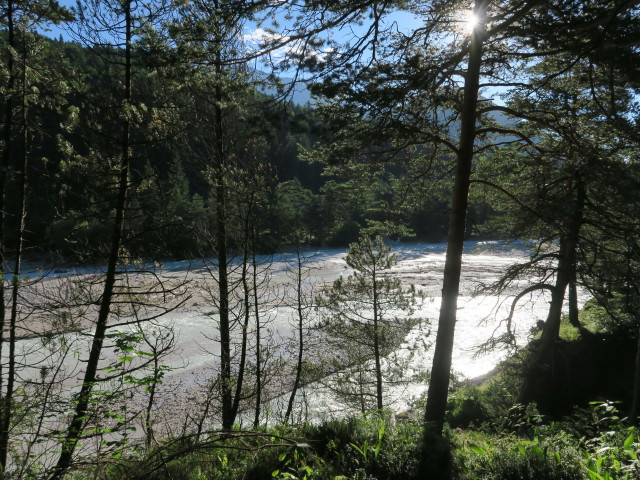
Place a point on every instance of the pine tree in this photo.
(26, 70)
(111, 29)
(364, 317)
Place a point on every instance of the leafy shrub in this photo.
(498, 394)
(465, 408)
(523, 420)
(397, 457)
(346, 234)
(597, 318)
(369, 447)
(510, 458)
(614, 451)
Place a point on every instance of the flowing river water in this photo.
(195, 358)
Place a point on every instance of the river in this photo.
(194, 361)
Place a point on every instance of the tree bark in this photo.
(376, 340)
(226, 387)
(575, 224)
(299, 311)
(246, 291)
(7, 401)
(565, 273)
(635, 405)
(434, 459)
(550, 332)
(574, 311)
(254, 264)
(74, 430)
(441, 369)
(4, 171)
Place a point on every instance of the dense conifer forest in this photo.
(191, 260)
(169, 193)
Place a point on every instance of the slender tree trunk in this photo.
(247, 315)
(564, 276)
(575, 224)
(223, 285)
(300, 314)
(632, 294)
(256, 312)
(148, 424)
(7, 411)
(376, 341)
(226, 386)
(434, 459)
(361, 387)
(550, 332)
(573, 300)
(441, 369)
(635, 405)
(74, 430)
(4, 172)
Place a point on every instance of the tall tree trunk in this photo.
(148, 423)
(575, 224)
(300, 314)
(635, 405)
(441, 369)
(74, 430)
(550, 332)
(7, 403)
(226, 386)
(223, 281)
(4, 172)
(434, 458)
(376, 341)
(543, 358)
(633, 294)
(256, 312)
(574, 311)
(246, 290)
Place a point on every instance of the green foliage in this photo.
(325, 451)
(373, 447)
(612, 450)
(611, 316)
(594, 444)
(510, 458)
(169, 200)
(363, 318)
(298, 463)
(367, 447)
(466, 408)
(295, 209)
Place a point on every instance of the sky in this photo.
(254, 33)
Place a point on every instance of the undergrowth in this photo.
(594, 444)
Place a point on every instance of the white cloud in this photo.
(263, 41)
(282, 47)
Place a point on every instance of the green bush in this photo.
(511, 458)
(346, 234)
(367, 448)
(598, 318)
(465, 408)
(613, 451)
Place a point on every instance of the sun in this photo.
(469, 21)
